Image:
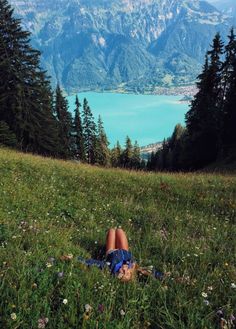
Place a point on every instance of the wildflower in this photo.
(42, 323)
(210, 288)
(220, 313)
(226, 264)
(13, 316)
(51, 260)
(204, 294)
(60, 275)
(232, 319)
(101, 308)
(233, 285)
(205, 301)
(96, 242)
(86, 316)
(65, 301)
(122, 312)
(88, 308)
(49, 265)
(34, 285)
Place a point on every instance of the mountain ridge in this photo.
(127, 45)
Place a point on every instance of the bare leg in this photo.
(121, 240)
(110, 240)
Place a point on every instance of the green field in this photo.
(179, 223)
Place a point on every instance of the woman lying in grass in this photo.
(119, 259)
(118, 256)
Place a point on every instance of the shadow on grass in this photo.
(97, 251)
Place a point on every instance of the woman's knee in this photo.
(120, 231)
(111, 231)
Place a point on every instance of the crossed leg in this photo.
(116, 239)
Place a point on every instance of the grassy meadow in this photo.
(53, 211)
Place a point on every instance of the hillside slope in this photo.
(183, 224)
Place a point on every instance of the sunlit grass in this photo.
(179, 223)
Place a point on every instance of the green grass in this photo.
(179, 223)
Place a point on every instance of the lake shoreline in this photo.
(188, 91)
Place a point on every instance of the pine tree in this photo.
(127, 154)
(176, 147)
(164, 155)
(78, 131)
(7, 137)
(24, 89)
(143, 165)
(229, 131)
(151, 164)
(102, 150)
(116, 154)
(64, 124)
(136, 157)
(48, 139)
(205, 115)
(89, 133)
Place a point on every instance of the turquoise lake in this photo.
(145, 118)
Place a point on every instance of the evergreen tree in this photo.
(48, 139)
(229, 131)
(127, 154)
(116, 154)
(64, 124)
(176, 148)
(102, 150)
(24, 90)
(78, 131)
(136, 157)
(89, 133)
(151, 164)
(7, 137)
(143, 165)
(163, 156)
(205, 115)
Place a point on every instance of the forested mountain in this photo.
(128, 44)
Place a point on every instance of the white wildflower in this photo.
(88, 308)
(122, 312)
(13, 316)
